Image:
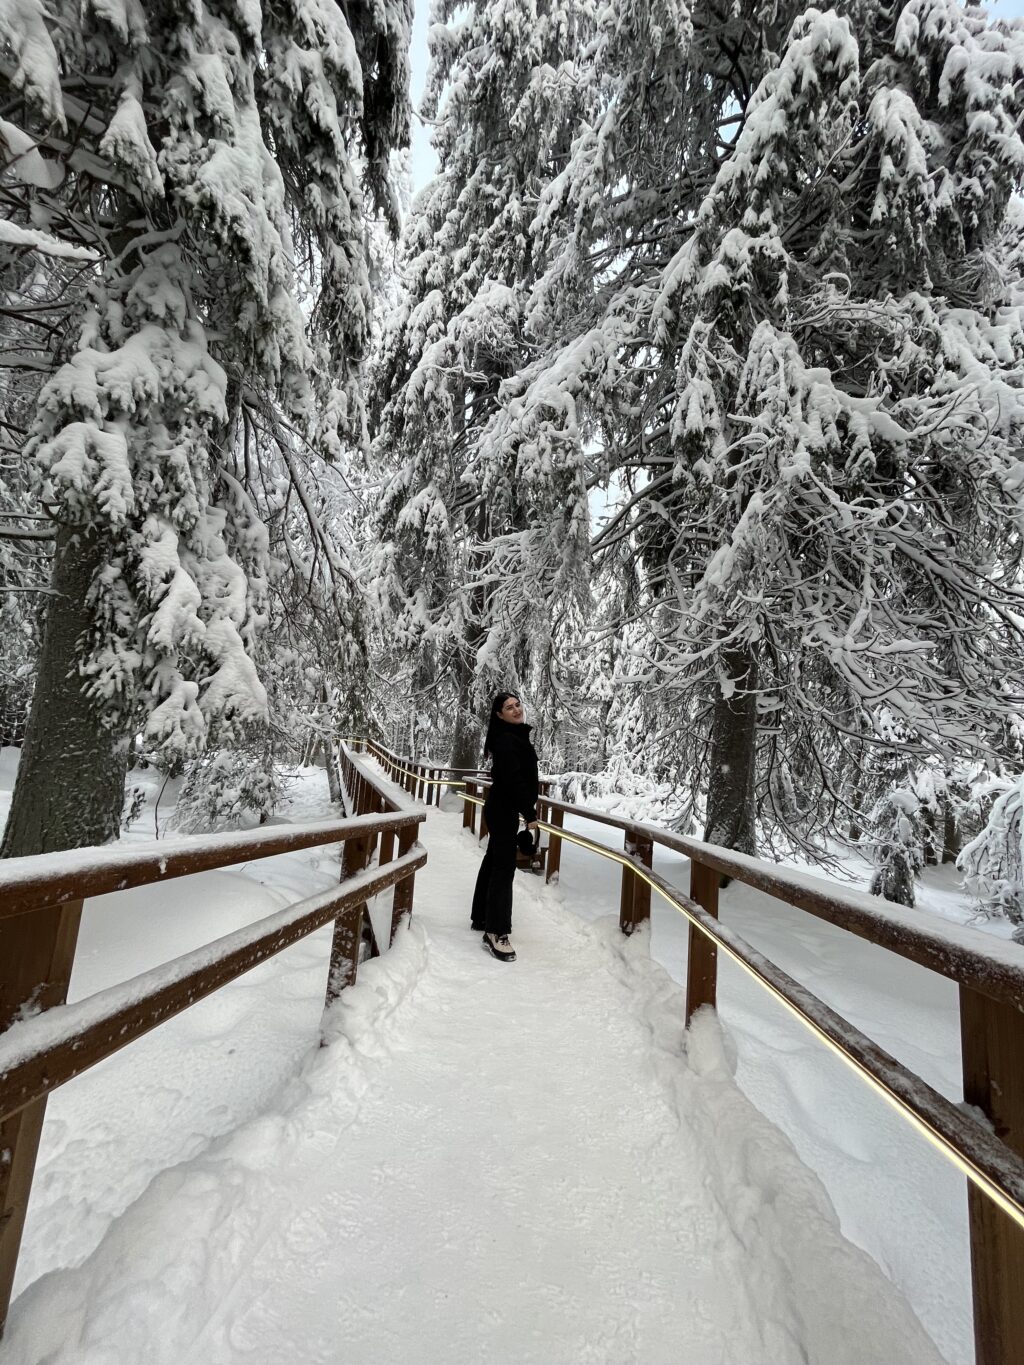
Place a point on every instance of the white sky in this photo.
(424, 162)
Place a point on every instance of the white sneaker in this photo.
(499, 947)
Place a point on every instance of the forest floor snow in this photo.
(496, 1163)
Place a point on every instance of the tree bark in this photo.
(467, 740)
(951, 840)
(857, 802)
(333, 785)
(731, 816)
(71, 777)
(930, 841)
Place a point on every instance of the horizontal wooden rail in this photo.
(973, 958)
(41, 902)
(968, 956)
(44, 1052)
(977, 1150)
(30, 883)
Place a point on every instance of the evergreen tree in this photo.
(801, 343)
(462, 584)
(205, 167)
(993, 862)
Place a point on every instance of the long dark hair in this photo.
(494, 720)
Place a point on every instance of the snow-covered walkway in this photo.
(489, 1164)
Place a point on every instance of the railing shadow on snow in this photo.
(40, 909)
(989, 973)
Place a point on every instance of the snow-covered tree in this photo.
(463, 571)
(204, 169)
(37, 293)
(993, 862)
(897, 850)
(225, 788)
(801, 342)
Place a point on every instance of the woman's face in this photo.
(512, 711)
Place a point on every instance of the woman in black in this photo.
(513, 793)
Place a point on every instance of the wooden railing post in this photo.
(556, 818)
(992, 1045)
(37, 952)
(402, 904)
(702, 956)
(387, 847)
(643, 849)
(635, 896)
(626, 893)
(348, 927)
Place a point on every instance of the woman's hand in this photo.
(531, 824)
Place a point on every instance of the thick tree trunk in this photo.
(467, 740)
(930, 841)
(951, 840)
(857, 802)
(731, 815)
(333, 784)
(70, 786)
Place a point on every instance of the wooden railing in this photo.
(45, 1042)
(990, 975)
(41, 901)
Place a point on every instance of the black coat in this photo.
(513, 769)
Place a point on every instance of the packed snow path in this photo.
(489, 1163)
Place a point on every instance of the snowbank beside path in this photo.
(516, 1164)
(895, 1195)
(168, 1095)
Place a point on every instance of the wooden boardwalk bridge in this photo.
(589, 1221)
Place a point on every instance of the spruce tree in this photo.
(205, 167)
(462, 586)
(801, 344)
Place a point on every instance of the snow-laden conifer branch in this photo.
(210, 169)
(756, 273)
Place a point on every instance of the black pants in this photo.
(492, 899)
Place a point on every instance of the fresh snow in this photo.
(34, 239)
(895, 1195)
(577, 1189)
(486, 1163)
(33, 1036)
